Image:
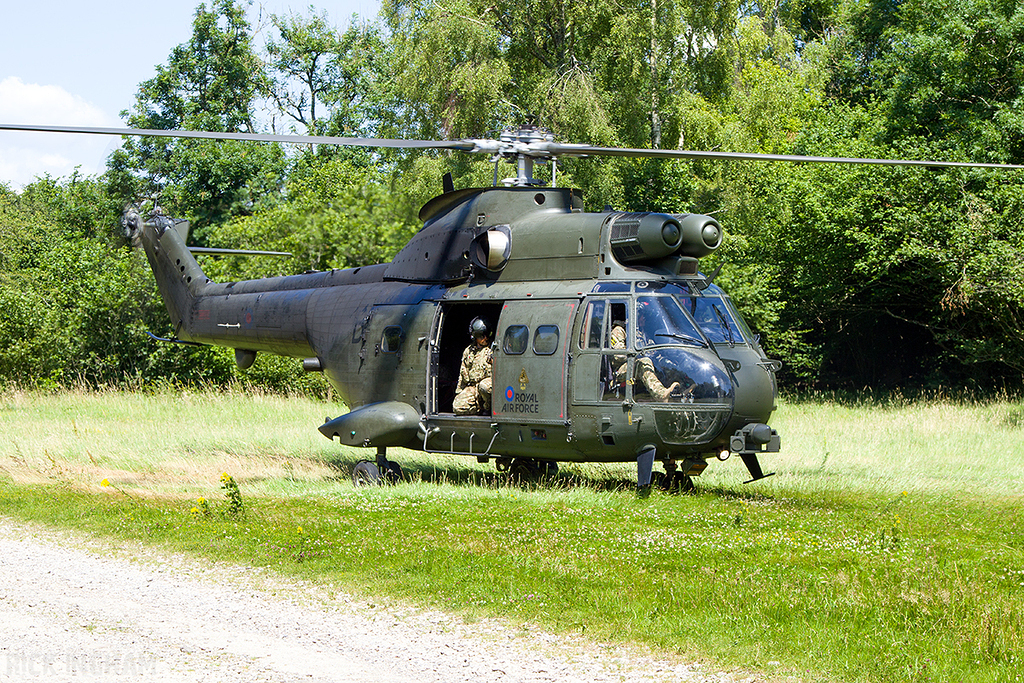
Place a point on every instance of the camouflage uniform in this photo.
(643, 368)
(618, 340)
(473, 393)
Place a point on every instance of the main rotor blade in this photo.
(528, 148)
(561, 149)
(251, 137)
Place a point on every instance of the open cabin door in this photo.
(530, 381)
(449, 337)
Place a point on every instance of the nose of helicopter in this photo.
(692, 393)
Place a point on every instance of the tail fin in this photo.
(178, 276)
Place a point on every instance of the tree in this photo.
(884, 277)
(323, 79)
(948, 71)
(213, 83)
(76, 306)
(337, 215)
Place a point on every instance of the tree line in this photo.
(854, 276)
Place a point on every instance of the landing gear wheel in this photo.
(393, 474)
(677, 482)
(524, 470)
(365, 473)
(548, 469)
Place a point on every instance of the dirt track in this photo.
(74, 609)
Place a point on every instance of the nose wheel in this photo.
(675, 481)
(524, 470)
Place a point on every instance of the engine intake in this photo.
(701, 234)
(646, 237)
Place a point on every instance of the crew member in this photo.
(473, 392)
(648, 324)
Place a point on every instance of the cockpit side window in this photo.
(614, 365)
(593, 325)
(605, 325)
(616, 335)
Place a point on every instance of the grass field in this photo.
(887, 548)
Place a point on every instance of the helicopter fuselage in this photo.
(608, 344)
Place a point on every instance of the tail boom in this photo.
(254, 315)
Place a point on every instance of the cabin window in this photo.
(391, 341)
(516, 339)
(545, 340)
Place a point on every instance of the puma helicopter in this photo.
(608, 344)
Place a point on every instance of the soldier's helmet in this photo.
(478, 329)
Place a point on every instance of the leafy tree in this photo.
(323, 79)
(337, 215)
(446, 73)
(77, 307)
(856, 276)
(886, 277)
(944, 70)
(213, 82)
(595, 72)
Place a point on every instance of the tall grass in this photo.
(168, 441)
(862, 560)
(939, 445)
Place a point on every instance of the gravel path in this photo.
(74, 609)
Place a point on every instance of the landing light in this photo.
(724, 455)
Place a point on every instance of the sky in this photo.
(74, 63)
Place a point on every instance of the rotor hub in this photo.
(523, 146)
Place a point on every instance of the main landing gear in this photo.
(675, 480)
(521, 470)
(383, 471)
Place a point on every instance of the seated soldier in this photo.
(618, 341)
(644, 369)
(649, 324)
(473, 392)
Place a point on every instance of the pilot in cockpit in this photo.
(651, 329)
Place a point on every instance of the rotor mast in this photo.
(524, 146)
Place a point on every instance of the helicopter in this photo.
(607, 342)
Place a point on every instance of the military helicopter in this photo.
(608, 344)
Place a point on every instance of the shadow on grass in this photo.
(457, 474)
(596, 477)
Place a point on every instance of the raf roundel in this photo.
(510, 394)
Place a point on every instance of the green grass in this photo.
(941, 446)
(888, 547)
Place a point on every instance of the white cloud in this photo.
(24, 156)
